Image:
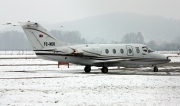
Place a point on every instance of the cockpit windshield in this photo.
(150, 50)
(146, 49)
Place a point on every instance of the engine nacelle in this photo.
(64, 50)
(91, 51)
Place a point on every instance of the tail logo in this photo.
(41, 35)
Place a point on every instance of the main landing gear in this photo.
(87, 69)
(155, 69)
(104, 70)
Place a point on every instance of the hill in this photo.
(114, 26)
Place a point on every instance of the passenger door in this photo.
(129, 50)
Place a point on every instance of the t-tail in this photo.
(39, 37)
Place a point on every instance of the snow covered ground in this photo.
(90, 89)
(49, 85)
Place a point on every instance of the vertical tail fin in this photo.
(39, 37)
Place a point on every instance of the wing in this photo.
(111, 61)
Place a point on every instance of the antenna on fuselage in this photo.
(178, 53)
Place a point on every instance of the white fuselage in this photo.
(106, 52)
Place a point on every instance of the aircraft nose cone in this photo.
(168, 59)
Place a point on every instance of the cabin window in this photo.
(107, 51)
(130, 51)
(137, 50)
(122, 51)
(114, 51)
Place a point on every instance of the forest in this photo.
(138, 38)
(15, 40)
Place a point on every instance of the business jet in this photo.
(100, 55)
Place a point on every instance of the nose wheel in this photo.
(87, 69)
(155, 69)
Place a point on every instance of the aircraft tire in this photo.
(155, 69)
(104, 70)
(87, 69)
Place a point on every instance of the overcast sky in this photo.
(53, 11)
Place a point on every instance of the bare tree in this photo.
(133, 38)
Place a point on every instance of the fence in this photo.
(16, 52)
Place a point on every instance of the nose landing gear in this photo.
(155, 69)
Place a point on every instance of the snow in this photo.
(61, 88)
(25, 61)
(41, 82)
(174, 59)
(18, 56)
